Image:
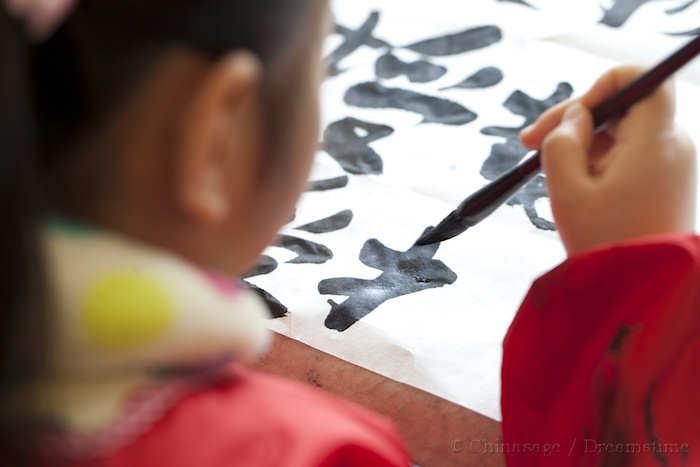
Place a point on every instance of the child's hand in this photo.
(637, 178)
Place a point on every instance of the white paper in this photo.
(448, 340)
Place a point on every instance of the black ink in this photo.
(623, 333)
(314, 378)
(528, 107)
(347, 141)
(373, 95)
(621, 11)
(277, 310)
(308, 252)
(332, 223)
(453, 44)
(519, 2)
(484, 78)
(422, 71)
(505, 155)
(265, 265)
(353, 40)
(403, 273)
(329, 184)
(528, 196)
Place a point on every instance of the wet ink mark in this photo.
(506, 155)
(332, 223)
(372, 95)
(403, 273)
(314, 378)
(422, 71)
(454, 44)
(353, 39)
(484, 78)
(329, 184)
(621, 11)
(347, 141)
(265, 265)
(308, 252)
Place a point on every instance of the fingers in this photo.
(533, 136)
(652, 114)
(565, 152)
(651, 117)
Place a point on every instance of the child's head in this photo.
(188, 124)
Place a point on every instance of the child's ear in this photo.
(221, 140)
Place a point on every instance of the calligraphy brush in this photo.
(482, 203)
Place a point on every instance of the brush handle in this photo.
(640, 88)
(616, 107)
(486, 200)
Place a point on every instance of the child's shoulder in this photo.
(255, 419)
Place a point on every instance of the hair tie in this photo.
(40, 17)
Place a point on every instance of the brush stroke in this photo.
(332, 223)
(484, 78)
(389, 66)
(507, 154)
(274, 306)
(681, 8)
(403, 273)
(347, 141)
(459, 43)
(372, 95)
(353, 39)
(621, 11)
(529, 108)
(307, 252)
(266, 265)
(328, 184)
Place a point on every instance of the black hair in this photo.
(52, 93)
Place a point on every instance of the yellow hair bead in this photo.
(126, 310)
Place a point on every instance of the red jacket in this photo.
(601, 366)
(256, 420)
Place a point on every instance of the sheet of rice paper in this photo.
(422, 105)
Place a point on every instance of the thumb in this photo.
(565, 151)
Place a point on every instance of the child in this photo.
(184, 130)
(164, 135)
(600, 365)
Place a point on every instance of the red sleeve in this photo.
(258, 420)
(601, 365)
